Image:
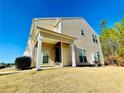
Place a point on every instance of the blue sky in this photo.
(16, 17)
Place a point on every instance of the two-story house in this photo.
(63, 41)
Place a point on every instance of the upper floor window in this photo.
(94, 37)
(82, 32)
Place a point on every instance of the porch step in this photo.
(58, 63)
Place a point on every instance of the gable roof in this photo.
(54, 18)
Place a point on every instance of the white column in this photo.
(73, 55)
(93, 59)
(39, 55)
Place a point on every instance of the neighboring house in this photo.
(64, 42)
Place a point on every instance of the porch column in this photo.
(39, 55)
(73, 55)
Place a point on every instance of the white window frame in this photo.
(82, 31)
(95, 56)
(82, 55)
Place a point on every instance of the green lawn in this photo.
(64, 80)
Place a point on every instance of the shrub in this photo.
(115, 60)
(2, 67)
(120, 60)
(23, 63)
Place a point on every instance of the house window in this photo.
(82, 32)
(98, 54)
(97, 57)
(94, 38)
(96, 41)
(82, 55)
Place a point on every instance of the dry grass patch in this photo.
(8, 70)
(65, 80)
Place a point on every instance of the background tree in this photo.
(112, 42)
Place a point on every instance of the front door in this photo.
(45, 55)
(58, 54)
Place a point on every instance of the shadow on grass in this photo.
(24, 69)
(14, 72)
(90, 65)
(8, 73)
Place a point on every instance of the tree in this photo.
(103, 24)
(112, 42)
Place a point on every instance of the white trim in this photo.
(82, 53)
(62, 54)
(54, 18)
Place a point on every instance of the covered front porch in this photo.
(52, 49)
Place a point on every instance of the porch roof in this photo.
(46, 33)
(55, 33)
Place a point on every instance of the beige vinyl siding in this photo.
(48, 24)
(51, 52)
(73, 28)
(66, 54)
